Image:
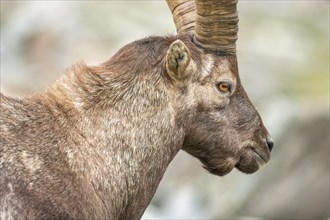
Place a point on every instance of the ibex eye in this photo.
(223, 87)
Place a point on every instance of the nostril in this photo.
(270, 143)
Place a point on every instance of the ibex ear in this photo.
(177, 60)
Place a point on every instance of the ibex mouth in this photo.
(260, 152)
(261, 157)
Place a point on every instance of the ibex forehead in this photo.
(217, 69)
(225, 70)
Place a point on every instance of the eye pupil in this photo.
(224, 87)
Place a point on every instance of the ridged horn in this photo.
(183, 12)
(216, 24)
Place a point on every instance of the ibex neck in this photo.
(123, 142)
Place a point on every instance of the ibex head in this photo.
(224, 129)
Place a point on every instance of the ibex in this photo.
(96, 144)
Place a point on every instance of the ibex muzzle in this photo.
(96, 144)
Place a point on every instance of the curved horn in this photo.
(183, 12)
(217, 25)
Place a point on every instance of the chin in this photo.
(221, 169)
(248, 168)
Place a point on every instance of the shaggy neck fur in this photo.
(126, 128)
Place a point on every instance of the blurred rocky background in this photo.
(283, 53)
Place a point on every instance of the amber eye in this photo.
(223, 87)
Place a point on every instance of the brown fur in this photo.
(96, 144)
